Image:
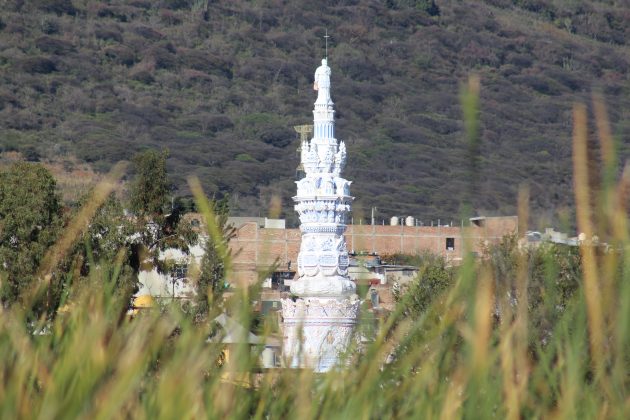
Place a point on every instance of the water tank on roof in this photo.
(410, 221)
(394, 221)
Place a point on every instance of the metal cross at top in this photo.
(326, 38)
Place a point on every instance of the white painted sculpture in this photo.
(319, 324)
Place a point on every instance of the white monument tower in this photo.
(319, 324)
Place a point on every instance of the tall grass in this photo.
(461, 357)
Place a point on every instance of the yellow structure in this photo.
(142, 302)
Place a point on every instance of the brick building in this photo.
(255, 247)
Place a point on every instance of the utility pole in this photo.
(373, 211)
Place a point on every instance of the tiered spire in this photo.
(319, 324)
(323, 202)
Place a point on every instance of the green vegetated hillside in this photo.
(221, 83)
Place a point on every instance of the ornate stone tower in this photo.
(318, 325)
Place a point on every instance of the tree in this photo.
(428, 6)
(434, 278)
(157, 222)
(150, 190)
(104, 249)
(150, 200)
(421, 302)
(553, 278)
(30, 220)
(211, 283)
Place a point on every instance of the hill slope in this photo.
(220, 83)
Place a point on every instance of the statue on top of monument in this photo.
(322, 83)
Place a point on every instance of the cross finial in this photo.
(326, 38)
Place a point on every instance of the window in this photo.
(450, 244)
(180, 271)
(478, 221)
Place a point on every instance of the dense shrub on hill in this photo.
(51, 45)
(219, 80)
(58, 7)
(36, 65)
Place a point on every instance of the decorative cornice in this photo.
(315, 310)
(337, 229)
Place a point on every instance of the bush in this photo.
(59, 7)
(162, 56)
(176, 4)
(143, 76)
(31, 154)
(120, 54)
(278, 136)
(42, 65)
(53, 46)
(119, 13)
(216, 123)
(540, 84)
(9, 99)
(50, 26)
(244, 157)
(23, 119)
(170, 18)
(428, 6)
(109, 34)
(148, 33)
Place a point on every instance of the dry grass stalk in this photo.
(592, 291)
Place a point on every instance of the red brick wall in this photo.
(256, 248)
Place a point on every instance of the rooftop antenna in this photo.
(326, 38)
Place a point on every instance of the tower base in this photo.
(317, 331)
